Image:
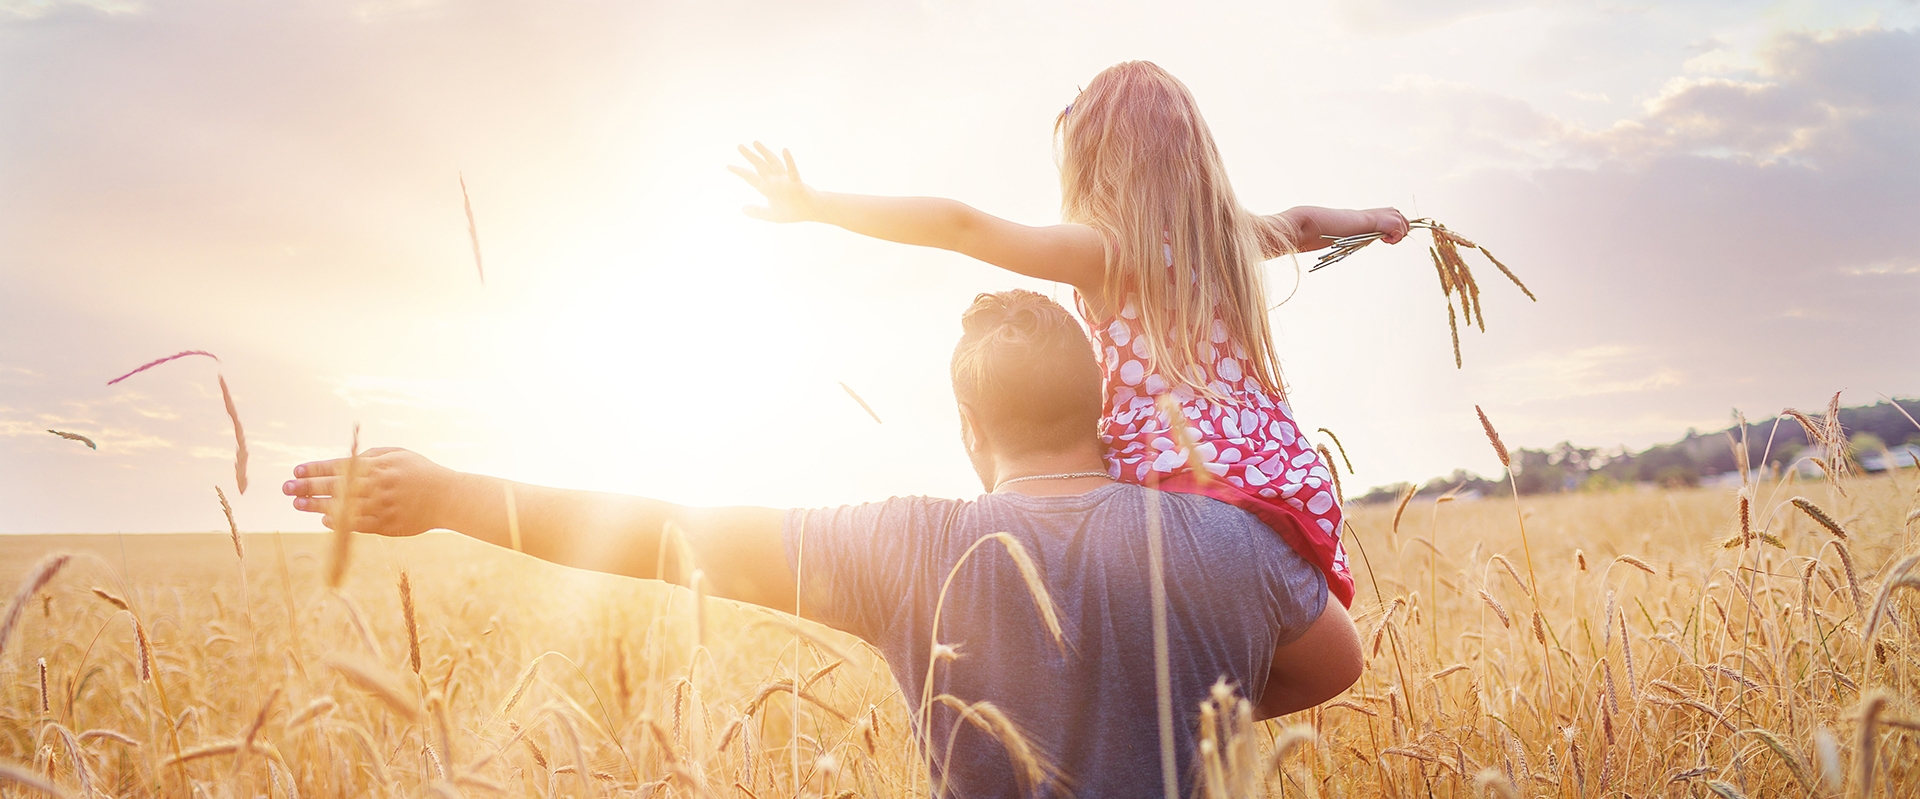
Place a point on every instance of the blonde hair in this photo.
(1138, 164)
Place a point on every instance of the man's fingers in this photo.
(324, 486)
(363, 524)
(338, 466)
(313, 504)
(321, 468)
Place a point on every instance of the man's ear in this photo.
(970, 435)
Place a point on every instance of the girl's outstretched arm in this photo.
(1308, 228)
(1071, 254)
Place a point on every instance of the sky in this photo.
(1712, 201)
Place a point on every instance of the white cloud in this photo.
(1891, 266)
(360, 391)
(1584, 372)
(36, 9)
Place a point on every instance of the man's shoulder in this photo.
(892, 513)
(893, 503)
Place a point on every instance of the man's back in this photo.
(1235, 592)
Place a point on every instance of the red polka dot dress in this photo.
(1250, 450)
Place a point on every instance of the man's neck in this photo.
(1052, 467)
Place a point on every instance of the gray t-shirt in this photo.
(1235, 591)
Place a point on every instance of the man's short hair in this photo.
(1026, 368)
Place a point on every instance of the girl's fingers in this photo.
(793, 169)
(759, 212)
(773, 161)
(759, 164)
(752, 178)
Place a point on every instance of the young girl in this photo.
(1166, 267)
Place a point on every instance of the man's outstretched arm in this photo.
(400, 493)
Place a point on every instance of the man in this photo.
(1240, 605)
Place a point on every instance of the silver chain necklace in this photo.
(1062, 476)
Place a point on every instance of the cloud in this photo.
(1841, 100)
(36, 9)
(361, 391)
(1585, 372)
(1739, 239)
(1404, 16)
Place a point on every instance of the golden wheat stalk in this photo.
(473, 230)
(253, 730)
(108, 735)
(863, 403)
(110, 598)
(1456, 279)
(1815, 513)
(1032, 767)
(1453, 329)
(379, 686)
(1896, 579)
(413, 629)
(315, 709)
(1498, 609)
(239, 435)
(37, 579)
(25, 778)
(143, 649)
(1333, 471)
(1401, 508)
(1870, 707)
(226, 508)
(344, 514)
(1796, 765)
(1636, 563)
(76, 437)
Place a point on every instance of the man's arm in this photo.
(1320, 664)
(400, 493)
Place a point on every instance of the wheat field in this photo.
(1655, 660)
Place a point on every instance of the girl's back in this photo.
(1167, 266)
(1182, 314)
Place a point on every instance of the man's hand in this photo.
(777, 178)
(400, 493)
(396, 492)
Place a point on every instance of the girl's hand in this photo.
(1390, 223)
(778, 179)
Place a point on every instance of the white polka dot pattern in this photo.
(1250, 439)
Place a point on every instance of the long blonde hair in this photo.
(1138, 164)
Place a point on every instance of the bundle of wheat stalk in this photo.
(1455, 277)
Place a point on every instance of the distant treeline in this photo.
(1687, 462)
